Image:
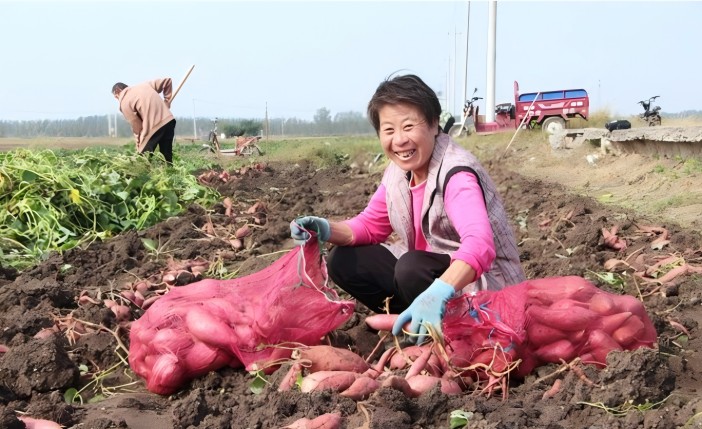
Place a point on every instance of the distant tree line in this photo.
(345, 123)
(683, 114)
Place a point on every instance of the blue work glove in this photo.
(428, 307)
(310, 223)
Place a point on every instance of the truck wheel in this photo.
(457, 131)
(553, 124)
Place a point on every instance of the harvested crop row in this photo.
(54, 202)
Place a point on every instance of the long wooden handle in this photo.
(182, 82)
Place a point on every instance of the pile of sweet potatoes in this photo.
(412, 370)
(487, 338)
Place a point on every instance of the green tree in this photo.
(323, 121)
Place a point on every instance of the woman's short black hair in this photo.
(407, 89)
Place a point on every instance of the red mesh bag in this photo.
(247, 321)
(542, 321)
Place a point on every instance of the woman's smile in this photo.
(405, 155)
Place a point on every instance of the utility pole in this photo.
(449, 89)
(267, 121)
(491, 62)
(465, 72)
(455, 55)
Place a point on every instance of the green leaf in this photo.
(29, 176)
(459, 418)
(71, 395)
(257, 385)
(96, 398)
(150, 244)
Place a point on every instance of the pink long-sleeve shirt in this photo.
(465, 207)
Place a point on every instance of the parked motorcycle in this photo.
(651, 114)
(459, 130)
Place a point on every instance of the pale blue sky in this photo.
(60, 59)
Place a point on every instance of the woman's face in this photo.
(407, 139)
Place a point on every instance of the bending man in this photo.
(148, 114)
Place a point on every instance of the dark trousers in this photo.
(163, 138)
(372, 273)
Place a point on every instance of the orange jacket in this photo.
(145, 110)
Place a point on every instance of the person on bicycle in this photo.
(148, 114)
(450, 231)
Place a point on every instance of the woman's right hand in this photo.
(299, 229)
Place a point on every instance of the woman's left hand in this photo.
(427, 308)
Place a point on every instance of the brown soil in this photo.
(559, 231)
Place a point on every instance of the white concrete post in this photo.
(491, 62)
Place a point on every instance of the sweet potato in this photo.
(484, 356)
(334, 380)
(419, 363)
(421, 383)
(602, 304)
(290, 377)
(450, 386)
(540, 334)
(551, 289)
(589, 359)
(399, 383)
(557, 350)
(32, 423)
(167, 375)
(328, 358)
(435, 366)
(406, 357)
(170, 340)
(361, 388)
(202, 358)
(611, 323)
(148, 302)
(550, 393)
(633, 305)
(574, 318)
(600, 344)
(381, 322)
(496, 358)
(629, 332)
(325, 421)
(122, 312)
(379, 367)
(242, 232)
(209, 329)
(567, 304)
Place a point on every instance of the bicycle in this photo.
(212, 144)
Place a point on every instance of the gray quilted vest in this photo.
(447, 159)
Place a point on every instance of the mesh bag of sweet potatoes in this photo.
(256, 321)
(542, 321)
(252, 321)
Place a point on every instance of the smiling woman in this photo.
(453, 233)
